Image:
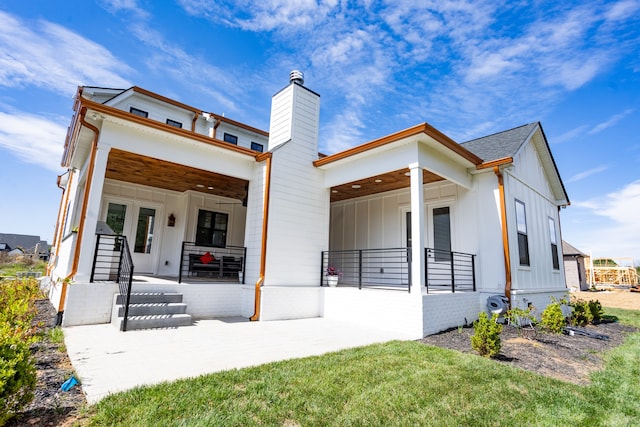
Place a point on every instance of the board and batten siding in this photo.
(527, 183)
(378, 221)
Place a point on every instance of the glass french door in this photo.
(138, 222)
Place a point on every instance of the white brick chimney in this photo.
(295, 115)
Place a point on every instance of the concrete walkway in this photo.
(107, 360)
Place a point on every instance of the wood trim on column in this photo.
(505, 236)
(64, 205)
(265, 222)
(85, 200)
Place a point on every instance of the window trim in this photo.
(553, 239)
(230, 138)
(523, 237)
(257, 144)
(213, 229)
(174, 123)
(139, 112)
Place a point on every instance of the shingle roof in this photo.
(27, 242)
(500, 145)
(567, 249)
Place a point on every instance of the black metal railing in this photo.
(449, 271)
(224, 264)
(369, 268)
(112, 262)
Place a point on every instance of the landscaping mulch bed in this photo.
(567, 358)
(50, 406)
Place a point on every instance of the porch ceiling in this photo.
(138, 169)
(379, 184)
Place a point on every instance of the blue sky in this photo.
(469, 68)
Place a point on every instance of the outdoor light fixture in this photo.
(171, 221)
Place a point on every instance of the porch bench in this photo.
(231, 265)
(197, 266)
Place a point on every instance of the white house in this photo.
(241, 222)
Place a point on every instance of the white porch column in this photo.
(93, 212)
(417, 230)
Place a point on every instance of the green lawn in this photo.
(9, 269)
(398, 383)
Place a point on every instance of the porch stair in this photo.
(151, 310)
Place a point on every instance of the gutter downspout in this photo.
(263, 256)
(85, 200)
(215, 131)
(505, 236)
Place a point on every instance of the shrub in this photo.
(17, 373)
(17, 368)
(581, 315)
(596, 310)
(520, 318)
(552, 318)
(486, 337)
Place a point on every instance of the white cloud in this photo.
(33, 139)
(131, 6)
(569, 135)
(585, 174)
(610, 122)
(619, 233)
(450, 55)
(622, 10)
(49, 56)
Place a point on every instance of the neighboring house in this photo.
(4, 247)
(574, 268)
(422, 229)
(28, 245)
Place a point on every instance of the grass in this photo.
(9, 269)
(56, 336)
(397, 383)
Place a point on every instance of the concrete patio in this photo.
(108, 361)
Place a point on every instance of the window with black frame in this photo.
(212, 229)
(554, 244)
(523, 239)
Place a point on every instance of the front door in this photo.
(138, 222)
(146, 238)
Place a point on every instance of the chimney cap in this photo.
(296, 76)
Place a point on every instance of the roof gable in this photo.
(500, 145)
(507, 144)
(568, 249)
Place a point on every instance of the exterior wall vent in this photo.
(296, 76)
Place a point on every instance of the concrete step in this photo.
(156, 321)
(145, 309)
(151, 297)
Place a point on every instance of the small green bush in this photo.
(552, 318)
(596, 310)
(17, 332)
(581, 315)
(17, 373)
(521, 318)
(486, 337)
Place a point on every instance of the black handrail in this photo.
(125, 278)
(391, 269)
(112, 262)
(446, 270)
(227, 262)
(388, 268)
